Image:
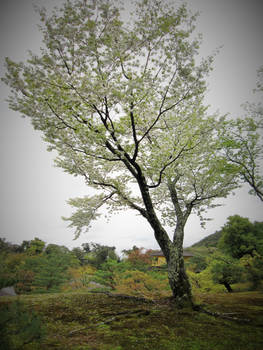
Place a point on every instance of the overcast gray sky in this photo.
(33, 193)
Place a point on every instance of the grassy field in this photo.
(95, 321)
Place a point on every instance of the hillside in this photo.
(209, 241)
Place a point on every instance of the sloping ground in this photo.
(209, 241)
(95, 321)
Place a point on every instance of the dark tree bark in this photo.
(228, 287)
(178, 278)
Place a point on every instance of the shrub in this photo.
(79, 277)
(254, 269)
(203, 283)
(19, 328)
(139, 258)
(142, 284)
(25, 280)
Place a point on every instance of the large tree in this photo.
(122, 104)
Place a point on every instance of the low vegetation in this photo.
(89, 299)
(97, 321)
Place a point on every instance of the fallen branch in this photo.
(141, 312)
(224, 316)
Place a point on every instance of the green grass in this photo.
(85, 321)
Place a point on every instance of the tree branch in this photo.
(171, 162)
(63, 59)
(130, 203)
(134, 133)
(57, 115)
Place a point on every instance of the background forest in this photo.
(230, 259)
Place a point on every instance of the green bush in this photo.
(19, 328)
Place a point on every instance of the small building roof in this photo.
(160, 253)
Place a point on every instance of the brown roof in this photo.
(160, 253)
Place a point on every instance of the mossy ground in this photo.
(88, 321)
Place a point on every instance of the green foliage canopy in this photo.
(122, 104)
(99, 254)
(241, 237)
(36, 246)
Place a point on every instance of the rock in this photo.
(8, 291)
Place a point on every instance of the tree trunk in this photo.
(228, 287)
(178, 278)
(172, 250)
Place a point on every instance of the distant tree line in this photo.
(35, 266)
(230, 256)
